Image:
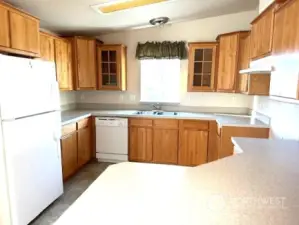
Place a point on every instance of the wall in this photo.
(191, 31)
(264, 4)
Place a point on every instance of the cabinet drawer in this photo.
(67, 129)
(141, 122)
(194, 124)
(83, 123)
(166, 123)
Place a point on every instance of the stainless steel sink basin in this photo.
(156, 113)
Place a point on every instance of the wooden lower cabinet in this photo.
(69, 154)
(165, 146)
(76, 149)
(193, 147)
(84, 146)
(140, 144)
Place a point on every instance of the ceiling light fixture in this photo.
(160, 21)
(119, 5)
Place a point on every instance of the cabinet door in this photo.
(85, 53)
(262, 33)
(69, 154)
(84, 146)
(227, 67)
(47, 47)
(111, 67)
(286, 31)
(202, 57)
(140, 144)
(243, 83)
(63, 68)
(193, 149)
(24, 32)
(4, 27)
(165, 146)
(244, 52)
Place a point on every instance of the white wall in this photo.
(264, 4)
(191, 31)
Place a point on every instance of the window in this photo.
(160, 81)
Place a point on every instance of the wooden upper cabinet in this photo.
(262, 33)
(286, 28)
(84, 63)
(4, 26)
(112, 67)
(244, 52)
(47, 48)
(24, 32)
(63, 54)
(19, 31)
(202, 61)
(229, 61)
(193, 149)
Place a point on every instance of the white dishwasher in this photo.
(112, 139)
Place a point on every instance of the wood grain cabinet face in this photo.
(69, 154)
(112, 67)
(141, 144)
(227, 65)
(47, 48)
(63, 64)
(84, 59)
(262, 33)
(193, 147)
(286, 29)
(4, 27)
(84, 146)
(202, 61)
(165, 146)
(24, 32)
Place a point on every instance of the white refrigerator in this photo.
(30, 155)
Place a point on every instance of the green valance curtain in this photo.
(161, 50)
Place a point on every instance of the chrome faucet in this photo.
(157, 107)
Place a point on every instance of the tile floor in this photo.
(73, 188)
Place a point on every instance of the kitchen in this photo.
(104, 116)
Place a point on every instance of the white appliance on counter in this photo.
(111, 139)
(30, 146)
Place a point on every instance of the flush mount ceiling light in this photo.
(119, 5)
(159, 21)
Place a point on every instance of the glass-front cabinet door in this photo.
(112, 67)
(202, 57)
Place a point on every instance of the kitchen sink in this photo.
(156, 113)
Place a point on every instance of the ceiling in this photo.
(77, 17)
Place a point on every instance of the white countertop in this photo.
(259, 186)
(222, 119)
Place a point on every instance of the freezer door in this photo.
(27, 87)
(33, 159)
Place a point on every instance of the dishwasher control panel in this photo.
(111, 122)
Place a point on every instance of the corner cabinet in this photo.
(84, 62)
(63, 54)
(19, 32)
(112, 67)
(228, 62)
(202, 62)
(47, 47)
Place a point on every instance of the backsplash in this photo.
(67, 100)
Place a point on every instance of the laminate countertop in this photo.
(222, 119)
(259, 186)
